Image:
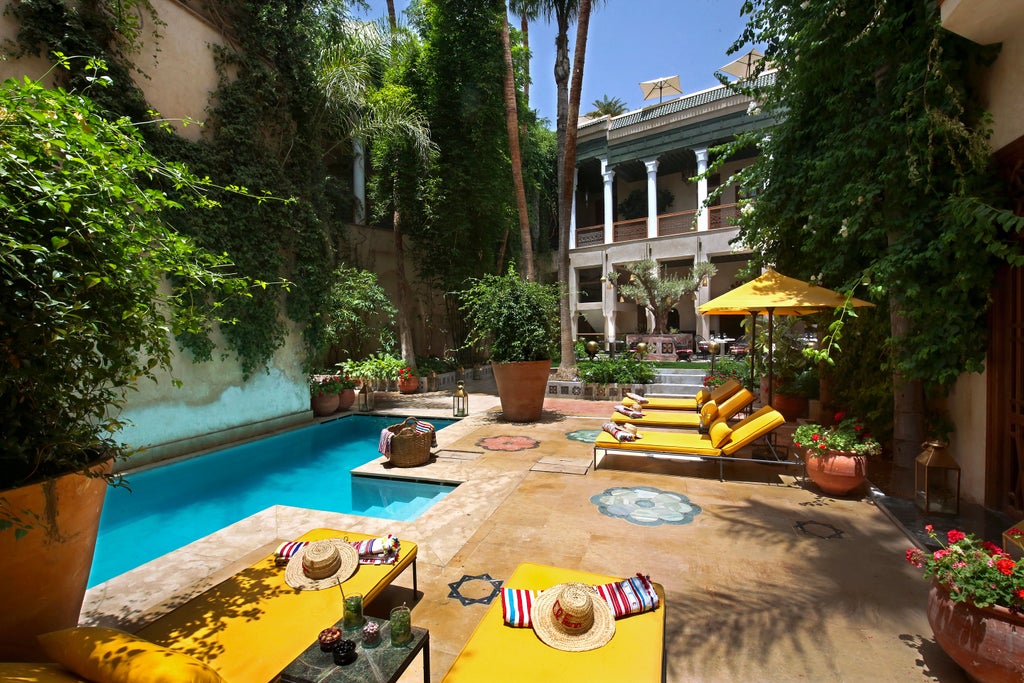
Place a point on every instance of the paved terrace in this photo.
(770, 581)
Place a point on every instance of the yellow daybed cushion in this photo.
(660, 418)
(722, 392)
(252, 625)
(751, 428)
(497, 653)
(106, 655)
(35, 672)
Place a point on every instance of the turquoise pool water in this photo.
(170, 506)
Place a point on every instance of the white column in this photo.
(359, 182)
(609, 201)
(702, 190)
(652, 198)
(572, 214)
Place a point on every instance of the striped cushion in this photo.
(632, 596)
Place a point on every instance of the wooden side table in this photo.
(381, 664)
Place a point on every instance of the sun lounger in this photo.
(496, 652)
(722, 443)
(684, 419)
(718, 395)
(252, 625)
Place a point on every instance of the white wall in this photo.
(967, 405)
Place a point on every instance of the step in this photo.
(687, 390)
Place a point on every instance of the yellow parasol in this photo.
(772, 293)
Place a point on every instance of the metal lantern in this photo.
(592, 348)
(460, 401)
(364, 399)
(937, 480)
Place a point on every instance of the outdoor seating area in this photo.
(533, 512)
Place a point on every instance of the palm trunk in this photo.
(568, 361)
(392, 18)
(524, 26)
(512, 124)
(403, 303)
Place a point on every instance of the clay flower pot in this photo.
(324, 404)
(409, 385)
(987, 642)
(836, 472)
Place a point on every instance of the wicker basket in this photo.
(409, 448)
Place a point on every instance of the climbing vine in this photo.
(266, 131)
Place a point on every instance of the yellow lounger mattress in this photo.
(720, 393)
(497, 653)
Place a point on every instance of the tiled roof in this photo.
(696, 100)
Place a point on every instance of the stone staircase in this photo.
(672, 382)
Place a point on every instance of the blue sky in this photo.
(632, 41)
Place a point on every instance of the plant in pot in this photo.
(836, 456)
(789, 363)
(408, 381)
(975, 605)
(86, 316)
(326, 392)
(517, 322)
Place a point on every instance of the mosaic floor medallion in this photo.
(489, 591)
(583, 435)
(646, 506)
(507, 443)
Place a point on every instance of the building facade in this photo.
(641, 194)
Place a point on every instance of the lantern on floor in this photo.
(937, 480)
(364, 399)
(460, 401)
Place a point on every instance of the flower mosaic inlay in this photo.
(646, 506)
(508, 443)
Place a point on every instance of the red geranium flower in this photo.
(954, 535)
(1005, 566)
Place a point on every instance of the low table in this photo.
(381, 664)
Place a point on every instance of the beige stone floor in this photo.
(755, 591)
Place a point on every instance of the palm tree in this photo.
(608, 106)
(563, 12)
(383, 114)
(527, 11)
(392, 19)
(512, 123)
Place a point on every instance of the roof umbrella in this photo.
(772, 293)
(661, 86)
(744, 66)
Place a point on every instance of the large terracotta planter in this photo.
(44, 574)
(521, 389)
(836, 472)
(346, 399)
(987, 642)
(324, 404)
(409, 385)
(791, 407)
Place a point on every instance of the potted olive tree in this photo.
(516, 321)
(88, 313)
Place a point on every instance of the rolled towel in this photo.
(632, 596)
(629, 412)
(285, 551)
(618, 432)
(636, 398)
(384, 444)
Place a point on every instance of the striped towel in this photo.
(636, 398)
(628, 412)
(285, 551)
(423, 427)
(632, 596)
(516, 604)
(384, 445)
(377, 550)
(618, 432)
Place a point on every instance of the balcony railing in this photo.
(669, 224)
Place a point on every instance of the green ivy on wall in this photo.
(266, 132)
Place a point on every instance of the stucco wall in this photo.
(967, 408)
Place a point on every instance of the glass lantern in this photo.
(936, 480)
(460, 401)
(364, 399)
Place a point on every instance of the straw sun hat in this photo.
(321, 564)
(572, 617)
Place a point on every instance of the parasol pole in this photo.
(752, 349)
(771, 355)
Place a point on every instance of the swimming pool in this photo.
(173, 505)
